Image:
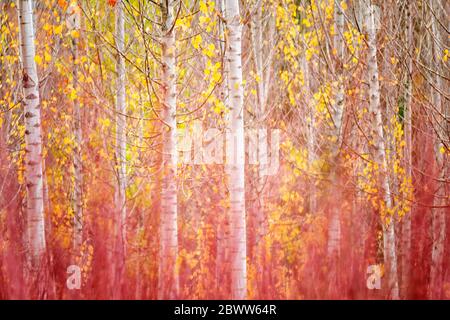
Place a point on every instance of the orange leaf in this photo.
(62, 3)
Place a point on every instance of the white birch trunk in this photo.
(334, 228)
(33, 137)
(390, 254)
(168, 279)
(121, 122)
(77, 162)
(438, 225)
(340, 96)
(235, 153)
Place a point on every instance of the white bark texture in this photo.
(438, 225)
(390, 254)
(121, 122)
(235, 170)
(168, 279)
(33, 136)
(334, 227)
(340, 48)
(77, 162)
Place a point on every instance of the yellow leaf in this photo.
(46, 27)
(38, 59)
(104, 122)
(204, 20)
(74, 34)
(203, 7)
(196, 41)
(210, 50)
(216, 76)
(306, 23)
(219, 107)
(47, 56)
(72, 94)
(58, 29)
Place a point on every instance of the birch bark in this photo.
(33, 136)
(168, 279)
(438, 225)
(121, 121)
(334, 225)
(77, 162)
(389, 249)
(235, 153)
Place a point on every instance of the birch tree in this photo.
(121, 121)
(73, 23)
(438, 225)
(388, 218)
(33, 136)
(406, 227)
(168, 279)
(334, 225)
(235, 152)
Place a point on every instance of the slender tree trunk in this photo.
(235, 153)
(119, 241)
(168, 279)
(438, 226)
(406, 226)
(334, 225)
(33, 137)
(340, 96)
(77, 162)
(390, 254)
(121, 122)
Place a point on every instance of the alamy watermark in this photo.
(73, 281)
(213, 146)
